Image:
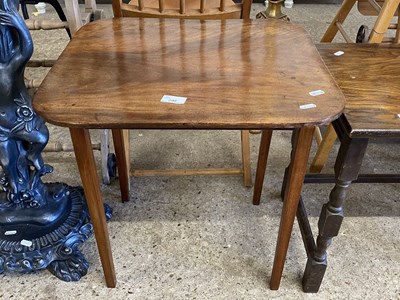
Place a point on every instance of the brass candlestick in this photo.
(273, 11)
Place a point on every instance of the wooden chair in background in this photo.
(183, 9)
(188, 9)
(72, 20)
(385, 10)
(54, 3)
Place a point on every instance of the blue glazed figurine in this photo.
(23, 135)
(41, 224)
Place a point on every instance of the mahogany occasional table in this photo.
(236, 74)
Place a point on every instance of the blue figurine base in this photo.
(29, 243)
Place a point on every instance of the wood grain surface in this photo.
(369, 76)
(236, 74)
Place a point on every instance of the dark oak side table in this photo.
(369, 76)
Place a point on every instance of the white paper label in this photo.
(316, 93)
(398, 115)
(10, 232)
(338, 53)
(307, 106)
(26, 243)
(173, 99)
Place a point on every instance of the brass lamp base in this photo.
(273, 11)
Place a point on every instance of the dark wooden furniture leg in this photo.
(246, 164)
(56, 5)
(265, 143)
(121, 140)
(87, 169)
(297, 169)
(347, 167)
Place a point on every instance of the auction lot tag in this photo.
(10, 232)
(316, 93)
(26, 243)
(173, 99)
(307, 106)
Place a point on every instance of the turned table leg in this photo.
(347, 167)
(87, 169)
(295, 177)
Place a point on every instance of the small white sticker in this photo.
(173, 99)
(10, 232)
(307, 106)
(316, 93)
(338, 53)
(398, 115)
(26, 243)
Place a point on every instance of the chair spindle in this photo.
(182, 7)
(202, 6)
(397, 37)
(343, 32)
(161, 6)
(222, 5)
(375, 5)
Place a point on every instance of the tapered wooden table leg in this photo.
(121, 146)
(261, 164)
(297, 169)
(87, 169)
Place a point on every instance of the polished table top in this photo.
(369, 76)
(239, 74)
(236, 74)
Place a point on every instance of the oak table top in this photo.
(114, 73)
(369, 78)
(236, 74)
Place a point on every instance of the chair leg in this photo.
(324, 149)
(341, 15)
(317, 135)
(382, 23)
(60, 12)
(24, 10)
(74, 16)
(121, 146)
(397, 36)
(246, 164)
(104, 152)
(261, 164)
